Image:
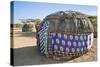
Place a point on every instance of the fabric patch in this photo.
(69, 43)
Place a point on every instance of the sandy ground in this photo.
(24, 39)
(26, 53)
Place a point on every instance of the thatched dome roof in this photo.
(27, 27)
(69, 22)
(67, 14)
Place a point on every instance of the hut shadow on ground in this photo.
(31, 56)
(26, 34)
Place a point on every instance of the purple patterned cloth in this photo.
(68, 43)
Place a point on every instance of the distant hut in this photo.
(65, 34)
(28, 27)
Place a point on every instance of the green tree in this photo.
(93, 20)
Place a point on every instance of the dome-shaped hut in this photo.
(27, 27)
(65, 33)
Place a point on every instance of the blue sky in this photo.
(25, 10)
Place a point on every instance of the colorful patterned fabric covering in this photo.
(43, 35)
(63, 44)
(69, 44)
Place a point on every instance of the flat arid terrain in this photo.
(24, 39)
(26, 53)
